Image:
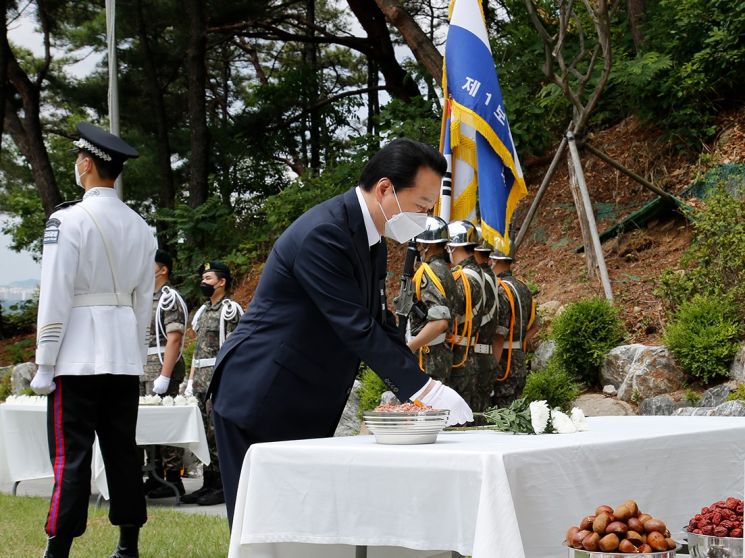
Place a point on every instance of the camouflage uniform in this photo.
(511, 388)
(498, 324)
(436, 360)
(207, 347)
(463, 377)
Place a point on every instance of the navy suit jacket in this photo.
(288, 368)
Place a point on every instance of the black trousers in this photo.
(79, 408)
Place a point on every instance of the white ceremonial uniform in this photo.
(94, 308)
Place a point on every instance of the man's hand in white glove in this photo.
(439, 396)
(160, 385)
(43, 382)
(189, 391)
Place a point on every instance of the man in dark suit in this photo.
(286, 371)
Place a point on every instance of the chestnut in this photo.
(590, 542)
(654, 525)
(645, 548)
(657, 541)
(635, 538)
(622, 512)
(627, 546)
(635, 525)
(603, 508)
(570, 534)
(586, 522)
(617, 527)
(631, 504)
(579, 536)
(601, 522)
(609, 543)
(671, 544)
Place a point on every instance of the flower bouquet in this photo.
(534, 417)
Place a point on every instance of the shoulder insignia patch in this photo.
(51, 236)
(53, 223)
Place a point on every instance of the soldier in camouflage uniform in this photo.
(164, 369)
(431, 316)
(496, 321)
(469, 282)
(512, 363)
(213, 322)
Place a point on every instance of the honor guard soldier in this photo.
(493, 323)
(213, 322)
(432, 315)
(512, 365)
(469, 281)
(165, 370)
(95, 301)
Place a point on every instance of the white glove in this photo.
(443, 397)
(189, 391)
(160, 385)
(43, 382)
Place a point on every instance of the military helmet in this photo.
(462, 233)
(483, 246)
(436, 231)
(500, 252)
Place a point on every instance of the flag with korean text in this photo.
(484, 180)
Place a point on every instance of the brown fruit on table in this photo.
(622, 512)
(603, 508)
(671, 544)
(627, 546)
(635, 538)
(654, 525)
(645, 548)
(590, 542)
(601, 522)
(586, 522)
(570, 534)
(631, 504)
(635, 525)
(657, 541)
(579, 537)
(609, 543)
(617, 527)
(643, 517)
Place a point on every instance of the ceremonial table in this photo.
(482, 493)
(24, 452)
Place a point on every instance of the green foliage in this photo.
(691, 397)
(738, 394)
(20, 318)
(515, 418)
(584, 333)
(6, 387)
(371, 390)
(703, 337)
(21, 351)
(553, 384)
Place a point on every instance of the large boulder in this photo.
(716, 395)
(349, 424)
(693, 412)
(549, 310)
(542, 355)
(617, 363)
(597, 405)
(652, 372)
(730, 409)
(737, 369)
(21, 377)
(659, 405)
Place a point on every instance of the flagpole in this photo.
(113, 80)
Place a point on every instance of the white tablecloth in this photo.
(24, 452)
(484, 494)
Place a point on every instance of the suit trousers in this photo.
(79, 408)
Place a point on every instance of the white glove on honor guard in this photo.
(441, 396)
(189, 391)
(43, 382)
(160, 385)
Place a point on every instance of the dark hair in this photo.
(399, 161)
(164, 259)
(108, 170)
(226, 276)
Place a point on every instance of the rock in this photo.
(610, 389)
(659, 405)
(617, 363)
(389, 397)
(652, 372)
(542, 355)
(737, 369)
(349, 423)
(730, 409)
(716, 395)
(21, 377)
(549, 310)
(598, 405)
(693, 412)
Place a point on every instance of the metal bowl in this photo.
(704, 546)
(578, 553)
(406, 428)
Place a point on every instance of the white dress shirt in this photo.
(373, 236)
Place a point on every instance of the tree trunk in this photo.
(27, 134)
(310, 56)
(420, 44)
(197, 83)
(167, 192)
(398, 82)
(584, 225)
(635, 9)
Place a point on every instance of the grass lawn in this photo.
(167, 533)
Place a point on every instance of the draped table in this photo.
(481, 493)
(24, 452)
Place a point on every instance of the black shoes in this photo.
(58, 547)
(127, 547)
(211, 498)
(165, 491)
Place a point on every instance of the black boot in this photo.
(165, 491)
(127, 547)
(207, 485)
(150, 484)
(58, 547)
(215, 495)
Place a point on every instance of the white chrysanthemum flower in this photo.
(192, 400)
(562, 423)
(539, 414)
(179, 400)
(579, 420)
(167, 401)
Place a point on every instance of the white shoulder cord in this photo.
(477, 276)
(495, 306)
(519, 306)
(197, 316)
(230, 309)
(169, 298)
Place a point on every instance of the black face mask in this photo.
(207, 289)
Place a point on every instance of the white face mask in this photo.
(78, 176)
(405, 225)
